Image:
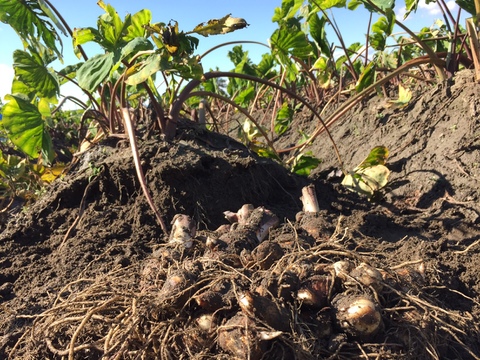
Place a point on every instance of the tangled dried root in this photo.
(204, 302)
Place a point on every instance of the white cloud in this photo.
(434, 9)
(424, 9)
(6, 78)
(400, 13)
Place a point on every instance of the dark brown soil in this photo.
(84, 271)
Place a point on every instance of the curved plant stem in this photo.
(60, 17)
(177, 105)
(232, 43)
(136, 158)
(89, 95)
(157, 106)
(72, 99)
(335, 28)
(433, 57)
(342, 110)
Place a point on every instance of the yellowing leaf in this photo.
(224, 25)
(250, 129)
(367, 181)
(377, 156)
(404, 96)
(51, 173)
(370, 175)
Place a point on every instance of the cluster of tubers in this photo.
(247, 293)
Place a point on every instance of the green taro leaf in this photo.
(94, 71)
(30, 22)
(318, 33)
(137, 27)
(266, 66)
(22, 89)
(367, 77)
(111, 26)
(84, 35)
(283, 119)
(328, 4)
(46, 9)
(35, 75)
(381, 30)
(136, 45)
(245, 96)
(304, 164)
(385, 5)
(69, 71)
(287, 11)
(467, 5)
(26, 128)
(354, 4)
(377, 156)
(289, 40)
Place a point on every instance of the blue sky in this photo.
(189, 13)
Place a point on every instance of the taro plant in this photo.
(136, 50)
(301, 49)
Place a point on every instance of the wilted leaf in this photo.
(49, 174)
(224, 25)
(404, 96)
(262, 150)
(250, 130)
(367, 181)
(149, 66)
(370, 175)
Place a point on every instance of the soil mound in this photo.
(87, 273)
